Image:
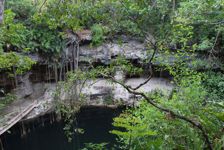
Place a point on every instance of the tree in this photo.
(169, 28)
(164, 32)
(1, 10)
(165, 130)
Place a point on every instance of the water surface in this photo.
(96, 123)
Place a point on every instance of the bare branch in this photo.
(82, 86)
(212, 51)
(150, 63)
(142, 84)
(42, 5)
(95, 82)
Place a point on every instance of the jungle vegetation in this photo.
(191, 117)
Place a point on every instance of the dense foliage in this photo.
(180, 32)
(214, 84)
(149, 128)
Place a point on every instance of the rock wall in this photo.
(39, 83)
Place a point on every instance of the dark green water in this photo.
(95, 121)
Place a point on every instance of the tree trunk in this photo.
(1, 10)
(174, 5)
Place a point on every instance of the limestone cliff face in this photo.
(39, 83)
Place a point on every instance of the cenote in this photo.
(46, 133)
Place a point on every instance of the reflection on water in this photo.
(95, 121)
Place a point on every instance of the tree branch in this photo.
(150, 63)
(166, 110)
(42, 5)
(163, 109)
(142, 84)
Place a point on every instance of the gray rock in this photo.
(24, 88)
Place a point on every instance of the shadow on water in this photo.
(43, 135)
